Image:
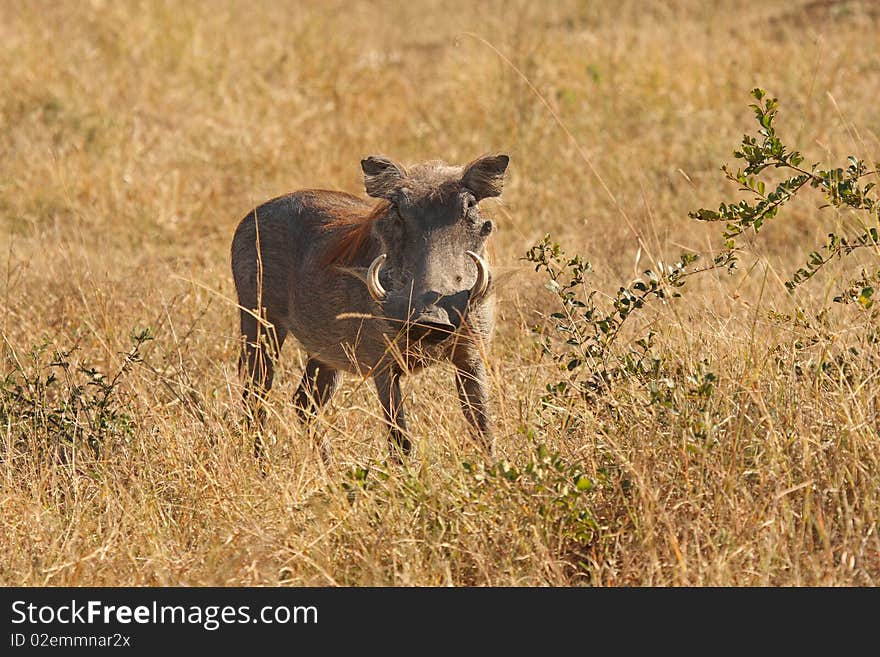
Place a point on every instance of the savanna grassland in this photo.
(133, 138)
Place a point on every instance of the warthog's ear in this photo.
(485, 175)
(381, 176)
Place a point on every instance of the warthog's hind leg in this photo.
(260, 348)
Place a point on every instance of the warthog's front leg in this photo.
(388, 387)
(472, 383)
(317, 386)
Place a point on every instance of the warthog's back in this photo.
(288, 276)
(272, 243)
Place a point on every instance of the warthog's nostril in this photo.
(428, 300)
(432, 325)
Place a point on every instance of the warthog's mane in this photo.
(351, 226)
(351, 232)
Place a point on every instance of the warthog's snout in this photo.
(433, 324)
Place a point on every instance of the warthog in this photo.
(376, 288)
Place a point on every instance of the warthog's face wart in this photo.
(433, 238)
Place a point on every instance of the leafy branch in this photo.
(590, 329)
(842, 187)
(64, 403)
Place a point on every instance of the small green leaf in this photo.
(583, 483)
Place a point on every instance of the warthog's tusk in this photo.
(373, 285)
(479, 288)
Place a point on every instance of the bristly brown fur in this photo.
(351, 233)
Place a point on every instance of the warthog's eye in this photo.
(470, 202)
(486, 228)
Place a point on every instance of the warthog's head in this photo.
(433, 265)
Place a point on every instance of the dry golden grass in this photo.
(134, 136)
